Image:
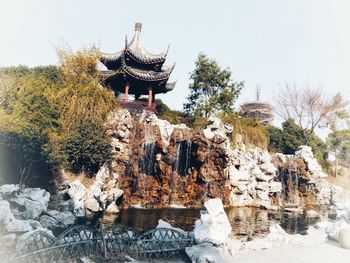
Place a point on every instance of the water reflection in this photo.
(246, 222)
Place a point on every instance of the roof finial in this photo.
(126, 40)
(257, 93)
(138, 26)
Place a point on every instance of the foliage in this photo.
(212, 90)
(309, 108)
(172, 116)
(86, 148)
(339, 141)
(82, 96)
(28, 115)
(82, 101)
(42, 109)
(288, 139)
(49, 72)
(252, 131)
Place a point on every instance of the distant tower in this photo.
(258, 109)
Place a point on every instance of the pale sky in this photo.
(264, 42)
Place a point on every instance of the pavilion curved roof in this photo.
(135, 51)
(143, 75)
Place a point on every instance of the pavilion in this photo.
(136, 71)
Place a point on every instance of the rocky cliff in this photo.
(157, 164)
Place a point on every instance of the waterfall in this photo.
(182, 158)
(290, 185)
(148, 159)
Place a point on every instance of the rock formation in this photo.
(157, 164)
(24, 211)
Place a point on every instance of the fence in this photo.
(83, 241)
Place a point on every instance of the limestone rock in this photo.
(164, 224)
(54, 219)
(7, 189)
(76, 190)
(333, 229)
(204, 253)
(112, 208)
(30, 202)
(213, 226)
(312, 213)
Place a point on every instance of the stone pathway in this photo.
(324, 253)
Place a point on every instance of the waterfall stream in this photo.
(148, 159)
(182, 158)
(290, 186)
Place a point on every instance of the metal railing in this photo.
(83, 241)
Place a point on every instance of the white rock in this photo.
(8, 189)
(164, 224)
(334, 229)
(33, 200)
(92, 205)
(76, 190)
(268, 168)
(275, 187)
(213, 226)
(240, 200)
(312, 213)
(205, 253)
(112, 208)
(55, 219)
(9, 222)
(264, 186)
(208, 133)
(263, 195)
(239, 175)
(344, 238)
(315, 169)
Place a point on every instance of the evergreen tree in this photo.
(212, 91)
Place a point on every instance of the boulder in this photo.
(204, 253)
(30, 202)
(268, 168)
(76, 191)
(11, 224)
(333, 229)
(112, 208)
(53, 219)
(275, 187)
(164, 224)
(213, 226)
(7, 189)
(312, 213)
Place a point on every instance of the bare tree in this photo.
(308, 107)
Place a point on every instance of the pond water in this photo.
(246, 222)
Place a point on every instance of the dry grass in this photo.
(342, 180)
(85, 180)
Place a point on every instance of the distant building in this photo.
(134, 70)
(258, 109)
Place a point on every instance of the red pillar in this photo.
(150, 97)
(126, 92)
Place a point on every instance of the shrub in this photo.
(86, 148)
(253, 132)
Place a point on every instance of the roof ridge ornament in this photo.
(138, 26)
(126, 41)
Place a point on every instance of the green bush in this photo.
(51, 117)
(288, 139)
(86, 148)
